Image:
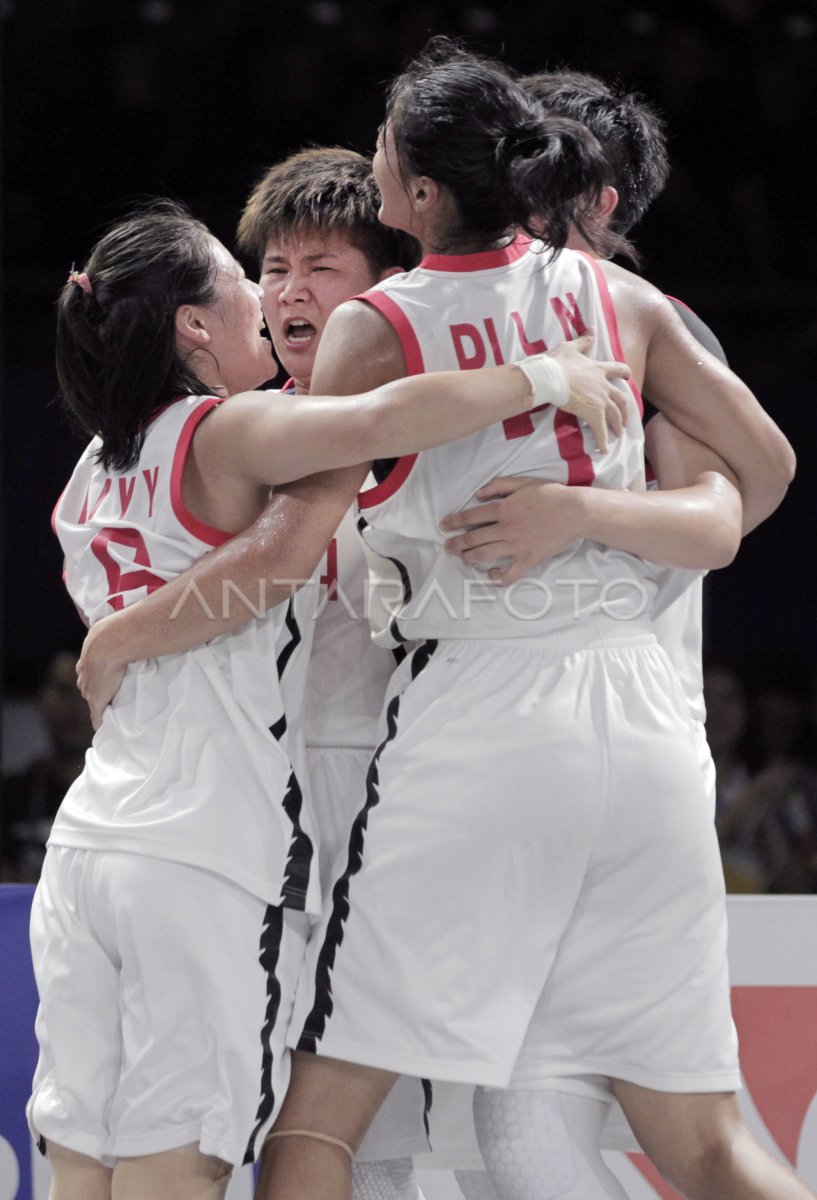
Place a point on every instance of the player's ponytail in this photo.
(464, 121)
(554, 176)
(117, 361)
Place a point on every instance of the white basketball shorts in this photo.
(165, 994)
(533, 888)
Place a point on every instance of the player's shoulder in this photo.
(359, 350)
(360, 326)
(635, 298)
(627, 283)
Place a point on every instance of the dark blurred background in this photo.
(107, 100)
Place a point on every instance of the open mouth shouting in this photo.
(298, 333)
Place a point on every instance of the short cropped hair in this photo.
(325, 189)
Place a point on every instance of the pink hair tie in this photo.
(80, 278)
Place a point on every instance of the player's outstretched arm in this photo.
(258, 439)
(276, 439)
(695, 523)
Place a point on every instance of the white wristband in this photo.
(548, 380)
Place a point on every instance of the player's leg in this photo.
(76, 1176)
(385, 1179)
(540, 1144)
(78, 1029)
(208, 976)
(337, 779)
(476, 1185)
(702, 1146)
(181, 1174)
(328, 1107)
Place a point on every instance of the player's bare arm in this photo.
(700, 395)
(255, 441)
(285, 542)
(269, 440)
(265, 563)
(359, 350)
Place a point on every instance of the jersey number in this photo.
(120, 580)
(569, 438)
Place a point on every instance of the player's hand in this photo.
(98, 678)
(594, 396)
(521, 523)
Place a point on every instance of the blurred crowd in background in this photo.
(109, 100)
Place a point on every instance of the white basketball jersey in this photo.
(348, 673)
(678, 622)
(193, 762)
(467, 312)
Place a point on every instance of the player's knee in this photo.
(524, 1144)
(543, 1145)
(476, 1185)
(701, 1160)
(387, 1179)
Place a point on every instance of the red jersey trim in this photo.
(484, 261)
(395, 479)
(415, 365)
(402, 326)
(612, 324)
(205, 533)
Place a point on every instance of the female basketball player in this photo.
(169, 924)
(533, 900)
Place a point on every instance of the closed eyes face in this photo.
(237, 327)
(304, 277)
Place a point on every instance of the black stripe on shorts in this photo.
(269, 954)
(315, 1024)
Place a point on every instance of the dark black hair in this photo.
(117, 361)
(325, 189)
(630, 132)
(465, 122)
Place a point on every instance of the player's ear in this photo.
(608, 202)
(389, 271)
(424, 192)
(190, 325)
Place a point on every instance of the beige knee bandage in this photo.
(319, 1137)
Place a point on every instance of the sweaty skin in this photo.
(253, 441)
